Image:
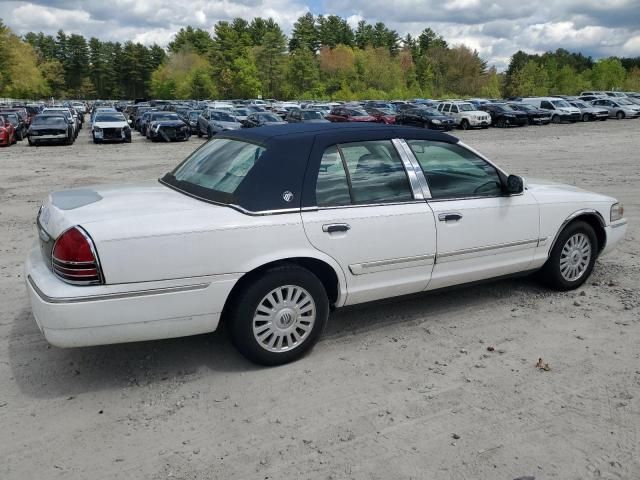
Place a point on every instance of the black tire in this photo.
(586, 117)
(31, 142)
(199, 132)
(243, 307)
(620, 115)
(70, 141)
(551, 274)
(556, 119)
(464, 124)
(209, 133)
(127, 139)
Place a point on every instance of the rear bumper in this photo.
(77, 316)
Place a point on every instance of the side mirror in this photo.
(515, 185)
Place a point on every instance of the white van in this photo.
(561, 110)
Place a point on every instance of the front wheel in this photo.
(620, 115)
(464, 124)
(278, 317)
(555, 119)
(585, 117)
(572, 257)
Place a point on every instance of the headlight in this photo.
(436, 122)
(97, 129)
(617, 212)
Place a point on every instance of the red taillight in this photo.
(74, 258)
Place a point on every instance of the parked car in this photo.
(211, 122)
(382, 115)
(346, 114)
(7, 132)
(465, 114)
(297, 115)
(167, 126)
(50, 127)
(144, 119)
(67, 114)
(425, 118)
(260, 119)
(241, 113)
(618, 107)
(559, 109)
(503, 115)
(192, 119)
(535, 116)
(109, 127)
(269, 230)
(18, 123)
(588, 112)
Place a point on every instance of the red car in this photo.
(7, 133)
(345, 114)
(382, 115)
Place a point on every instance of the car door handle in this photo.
(336, 227)
(450, 217)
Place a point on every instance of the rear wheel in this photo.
(280, 316)
(572, 258)
(31, 142)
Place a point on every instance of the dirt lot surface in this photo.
(395, 390)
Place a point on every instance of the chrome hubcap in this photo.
(575, 257)
(284, 318)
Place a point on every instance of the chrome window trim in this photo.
(415, 165)
(392, 264)
(416, 187)
(359, 205)
(115, 296)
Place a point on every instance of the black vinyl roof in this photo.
(336, 132)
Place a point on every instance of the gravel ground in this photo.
(400, 389)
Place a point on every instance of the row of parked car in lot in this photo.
(177, 120)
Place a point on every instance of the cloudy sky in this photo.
(496, 28)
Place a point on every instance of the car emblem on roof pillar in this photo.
(287, 196)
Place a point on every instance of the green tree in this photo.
(608, 74)
(190, 38)
(271, 62)
(303, 75)
(305, 34)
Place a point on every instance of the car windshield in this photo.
(243, 112)
(580, 104)
(10, 117)
(110, 117)
(269, 117)
(431, 112)
(217, 168)
(624, 101)
(194, 115)
(48, 120)
(354, 112)
(312, 115)
(164, 116)
(466, 107)
(524, 106)
(222, 117)
(560, 103)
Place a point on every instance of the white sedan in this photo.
(110, 126)
(268, 229)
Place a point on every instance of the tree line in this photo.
(323, 58)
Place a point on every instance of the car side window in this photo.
(454, 109)
(546, 105)
(454, 172)
(371, 171)
(332, 187)
(446, 108)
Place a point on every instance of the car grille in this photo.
(112, 133)
(173, 133)
(50, 131)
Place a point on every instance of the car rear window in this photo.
(215, 170)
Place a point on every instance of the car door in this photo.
(481, 232)
(371, 217)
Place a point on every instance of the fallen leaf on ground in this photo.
(543, 366)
